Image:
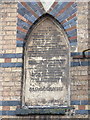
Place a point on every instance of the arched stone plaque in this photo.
(46, 65)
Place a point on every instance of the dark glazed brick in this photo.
(7, 65)
(8, 113)
(75, 53)
(0, 113)
(82, 112)
(85, 102)
(75, 102)
(10, 103)
(85, 63)
(14, 55)
(75, 64)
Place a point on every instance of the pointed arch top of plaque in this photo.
(50, 17)
(46, 64)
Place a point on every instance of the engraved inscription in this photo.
(46, 89)
(47, 65)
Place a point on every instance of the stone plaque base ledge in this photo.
(45, 111)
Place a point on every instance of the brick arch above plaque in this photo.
(46, 65)
(64, 12)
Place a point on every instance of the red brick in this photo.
(74, 37)
(63, 22)
(6, 108)
(68, 18)
(21, 39)
(7, 60)
(74, 15)
(78, 56)
(24, 19)
(81, 107)
(69, 29)
(21, 29)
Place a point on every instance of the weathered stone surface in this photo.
(47, 66)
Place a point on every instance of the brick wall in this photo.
(79, 69)
(10, 73)
(82, 26)
(15, 21)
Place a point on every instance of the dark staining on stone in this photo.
(45, 89)
(43, 101)
(48, 43)
(32, 62)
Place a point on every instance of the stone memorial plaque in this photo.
(46, 81)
